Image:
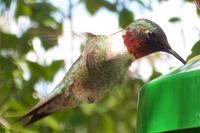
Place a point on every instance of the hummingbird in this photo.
(103, 63)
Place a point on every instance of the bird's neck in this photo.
(117, 46)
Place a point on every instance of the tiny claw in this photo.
(90, 100)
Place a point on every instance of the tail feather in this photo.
(54, 103)
(38, 112)
(35, 117)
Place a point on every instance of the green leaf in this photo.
(125, 17)
(198, 11)
(8, 41)
(108, 5)
(6, 2)
(7, 67)
(108, 124)
(47, 72)
(40, 12)
(92, 6)
(190, 0)
(195, 50)
(55, 66)
(141, 2)
(174, 19)
(15, 105)
(52, 69)
(37, 70)
(48, 36)
(155, 74)
(51, 122)
(12, 43)
(22, 9)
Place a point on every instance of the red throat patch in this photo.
(132, 44)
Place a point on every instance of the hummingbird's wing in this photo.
(50, 103)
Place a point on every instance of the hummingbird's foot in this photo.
(90, 100)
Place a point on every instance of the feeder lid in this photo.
(171, 102)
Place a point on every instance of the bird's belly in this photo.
(97, 84)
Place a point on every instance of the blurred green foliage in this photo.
(174, 19)
(115, 113)
(195, 50)
(127, 15)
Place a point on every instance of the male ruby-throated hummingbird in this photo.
(100, 66)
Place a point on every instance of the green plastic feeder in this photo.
(171, 103)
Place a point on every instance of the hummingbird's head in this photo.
(144, 37)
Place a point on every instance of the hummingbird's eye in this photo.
(150, 35)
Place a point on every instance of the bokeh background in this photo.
(40, 39)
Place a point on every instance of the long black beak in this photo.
(171, 51)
